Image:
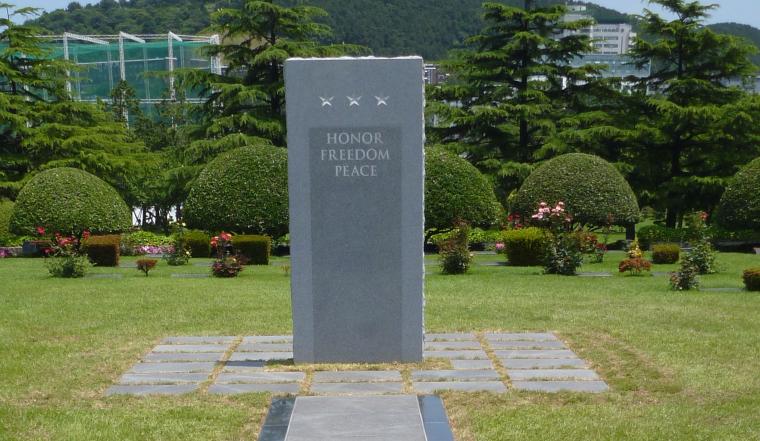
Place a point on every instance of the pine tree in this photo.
(42, 127)
(510, 88)
(245, 104)
(693, 128)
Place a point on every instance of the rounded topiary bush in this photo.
(69, 201)
(591, 188)
(456, 190)
(243, 191)
(740, 205)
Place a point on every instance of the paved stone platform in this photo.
(391, 418)
(469, 362)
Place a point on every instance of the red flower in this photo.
(41, 231)
(703, 215)
(214, 241)
(225, 236)
(85, 235)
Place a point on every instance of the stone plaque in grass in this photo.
(355, 167)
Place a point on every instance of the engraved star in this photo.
(382, 100)
(353, 101)
(327, 101)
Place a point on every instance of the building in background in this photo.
(103, 60)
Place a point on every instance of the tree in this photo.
(42, 127)
(692, 127)
(245, 104)
(510, 88)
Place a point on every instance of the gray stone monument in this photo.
(356, 176)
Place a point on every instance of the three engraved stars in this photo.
(354, 101)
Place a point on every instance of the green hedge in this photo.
(739, 206)
(255, 248)
(69, 201)
(6, 210)
(652, 234)
(666, 253)
(242, 191)
(751, 279)
(199, 243)
(456, 190)
(526, 246)
(103, 250)
(591, 188)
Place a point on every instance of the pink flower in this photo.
(41, 231)
(499, 246)
(85, 235)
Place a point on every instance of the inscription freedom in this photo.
(357, 153)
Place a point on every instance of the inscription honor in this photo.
(348, 157)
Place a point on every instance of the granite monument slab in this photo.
(356, 176)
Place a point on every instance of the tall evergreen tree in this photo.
(510, 88)
(42, 127)
(245, 104)
(693, 128)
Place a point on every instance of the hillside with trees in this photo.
(393, 27)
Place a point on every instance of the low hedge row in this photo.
(255, 248)
(752, 279)
(103, 250)
(666, 253)
(199, 243)
(526, 246)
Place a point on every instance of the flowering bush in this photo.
(600, 249)
(562, 254)
(455, 252)
(702, 254)
(687, 277)
(635, 263)
(153, 249)
(4, 253)
(145, 265)
(499, 247)
(65, 258)
(180, 252)
(226, 264)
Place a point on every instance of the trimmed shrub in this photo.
(591, 188)
(751, 279)
(244, 191)
(666, 253)
(6, 210)
(254, 248)
(146, 265)
(198, 242)
(739, 206)
(103, 250)
(455, 190)
(652, 234)
(69, 201)
(454, 253)
(526, 246)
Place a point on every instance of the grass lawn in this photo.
(681, 366)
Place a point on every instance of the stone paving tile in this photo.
(451, 345)
(520, 344)
(265, 347)
(455, 375)
(471, 364)
(356, 376)
(263, 356)
(163, 378)
(457, 355)
(522, 336)
(493, 263)
(542, 363)
(260, 377)
(558, 386)
(187, 356)
(464, 336)
(596, 274)
(133, 389)
(172, 367)
(191, 348)
(464, 386)
(536, 353)
(202, 340)
(243, 388)
(358, 388)
(552, 374)
(268, 339)
(243, 366)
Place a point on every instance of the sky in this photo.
(739, 11)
